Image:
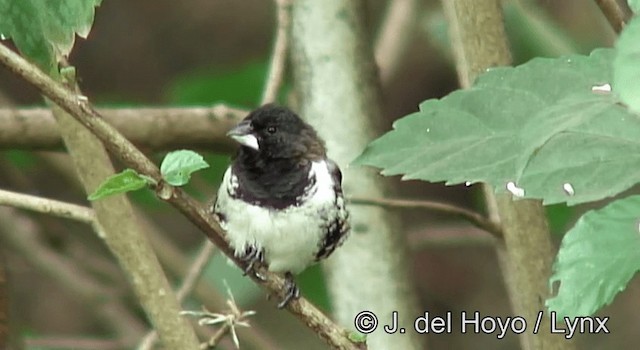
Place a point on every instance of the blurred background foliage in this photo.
(199, 52)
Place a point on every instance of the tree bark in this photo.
(125, 238)
(336, 83)
(477, 33)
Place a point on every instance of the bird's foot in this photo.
(292, 291)
(252, 258)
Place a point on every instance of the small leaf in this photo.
(357, 337)
(178, 166)
(597, 258)
(126, 181)
(626, 65)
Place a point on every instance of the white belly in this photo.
(290, 237)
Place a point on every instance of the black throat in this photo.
(275, 183)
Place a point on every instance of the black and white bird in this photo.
(281, 200)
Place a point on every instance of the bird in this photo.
(281, 202)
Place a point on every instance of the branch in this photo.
(476, 219)
(479, 42)
(280, 52)
(617, 14)
(149, 128)
(48, 206)
(194, 273)
(120, 147)
(395, 36)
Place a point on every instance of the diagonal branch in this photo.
(81, 110)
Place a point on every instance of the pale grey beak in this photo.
(243, 134)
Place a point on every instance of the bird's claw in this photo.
(292, 291)
(252, 257)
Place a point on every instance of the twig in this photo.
(52, 207)
(476, 219)
(230, 320)
(47, 206)
(120, 147)
(395, 36)
(194, 273)
(149, 128)
(280, 51)
(616, 14)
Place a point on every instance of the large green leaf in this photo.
(44, 30)
(597, 258)
(626, 66)
(548, 127)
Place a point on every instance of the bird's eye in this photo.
(271, 129)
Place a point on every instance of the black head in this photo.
(276, 132)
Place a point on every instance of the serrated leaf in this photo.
(597, 258)
(178, 166)
(548, 126)
(626, 65)
(45, 30)
(125, 181)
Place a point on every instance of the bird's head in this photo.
(277, 132)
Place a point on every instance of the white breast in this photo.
(290, 237)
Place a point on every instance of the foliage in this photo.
(44, 31)
(128, 180)
(598, 257)
(563, 130)
(176, 170)
(178, 166)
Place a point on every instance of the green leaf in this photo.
(357, 337)
(178, 166)
(626, 66)
(634, 5)
(45, 30)
(126, 181)
(597, 258)
(545, 126)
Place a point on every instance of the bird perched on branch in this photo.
(281, 200)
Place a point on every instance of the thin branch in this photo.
(149, 128)
(617, 14)
(47, 206)
(280, 52)
(395, 36)
(474, 218)
(80, 108)
(194, 273)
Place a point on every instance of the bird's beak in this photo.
(243, 134)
